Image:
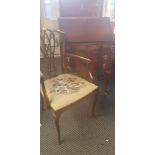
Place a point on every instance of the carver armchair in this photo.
(69, 88)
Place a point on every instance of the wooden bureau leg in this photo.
(106, 83)
(94, 104)
(107, 69)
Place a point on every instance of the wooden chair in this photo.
(65, 90)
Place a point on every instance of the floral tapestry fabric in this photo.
(66, 85)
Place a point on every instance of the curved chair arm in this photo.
(79, 57)
(83, 59)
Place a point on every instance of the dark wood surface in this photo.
(91, 37)
(80, 8)
(86, 29)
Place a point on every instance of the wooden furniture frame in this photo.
(96, 36)
(66, 62)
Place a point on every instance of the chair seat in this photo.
(65, 89)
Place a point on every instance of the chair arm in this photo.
(79, 57)
(86, 60)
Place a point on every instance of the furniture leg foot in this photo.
(94, 105)
(56, 119)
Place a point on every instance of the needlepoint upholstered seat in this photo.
(66, 89)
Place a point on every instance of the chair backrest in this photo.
(48, 43)
(69, 63)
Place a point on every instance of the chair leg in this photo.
(94, 104)
(107, 82)
(56, 119)
(42, 103)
